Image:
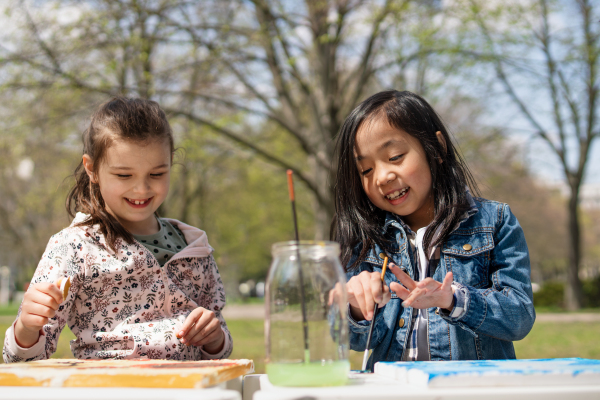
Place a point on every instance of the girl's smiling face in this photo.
(134, 181)
(394, 172)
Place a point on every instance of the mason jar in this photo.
(306, 326)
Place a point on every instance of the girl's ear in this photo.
(89, 167)
(442, 141)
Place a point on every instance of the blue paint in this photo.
(549, 366)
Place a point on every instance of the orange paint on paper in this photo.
(123, 373)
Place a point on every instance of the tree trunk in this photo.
(573, 291)
(323, 202)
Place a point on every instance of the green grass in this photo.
(63, 349)
(560, 340)
(546, 340)
(555, 309)
(249, 341)
(10, 310)
(246, 300)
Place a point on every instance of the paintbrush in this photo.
(366, 356)
(300, 277)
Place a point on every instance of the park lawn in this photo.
(248, 341)
(560, 340)
(63, 349)
(546, 340)
(7, 311)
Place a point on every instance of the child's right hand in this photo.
(202, 328)
(364, 291)
(40, 303)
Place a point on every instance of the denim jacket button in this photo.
(382, 255)
(467, 247)
(401, 323)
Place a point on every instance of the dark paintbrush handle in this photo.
(371, 327)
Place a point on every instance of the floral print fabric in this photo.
(124, 304)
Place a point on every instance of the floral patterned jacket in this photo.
(124, 304)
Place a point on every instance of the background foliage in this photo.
(254, 87)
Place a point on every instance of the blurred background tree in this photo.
(545, 56)
(252, 87)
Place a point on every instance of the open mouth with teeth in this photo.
(138, 203)
(397, 194)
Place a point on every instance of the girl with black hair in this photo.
(458, 285)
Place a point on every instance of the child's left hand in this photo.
(425, 294)
(202, 328)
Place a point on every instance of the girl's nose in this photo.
(385, 177)
(142, 186)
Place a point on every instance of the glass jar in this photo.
(306, 326)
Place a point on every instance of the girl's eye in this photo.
(397, 157)
(157, 175)
(123, 176)
(366, 171)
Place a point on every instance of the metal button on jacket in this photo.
(382, 255)
(467, 247)
(401, 323)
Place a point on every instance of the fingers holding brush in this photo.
(357, 296)
(202, 328)
(364, 291)
(381, 292)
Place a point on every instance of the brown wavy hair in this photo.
(120, 118)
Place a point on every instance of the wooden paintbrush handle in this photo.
(290, 183)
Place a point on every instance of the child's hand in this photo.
(425, 294)
(364, 291)
(202, 328)
(40, 303)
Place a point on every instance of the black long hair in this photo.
(120, 118)
(357, 220)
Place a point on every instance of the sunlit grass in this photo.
(561, 340)
(546, 340)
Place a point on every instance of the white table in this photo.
(374, 387)
(90, 393)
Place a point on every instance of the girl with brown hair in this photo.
(141, 286)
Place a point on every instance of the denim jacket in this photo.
(488, 257)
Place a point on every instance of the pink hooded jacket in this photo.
(125, 305)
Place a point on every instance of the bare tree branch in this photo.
(249, 144)
(362, 71)
(262, 14)
(232, 104)
(500, 73)
(551, 67)
(591, 51)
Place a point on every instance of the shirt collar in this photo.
(472, 207)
